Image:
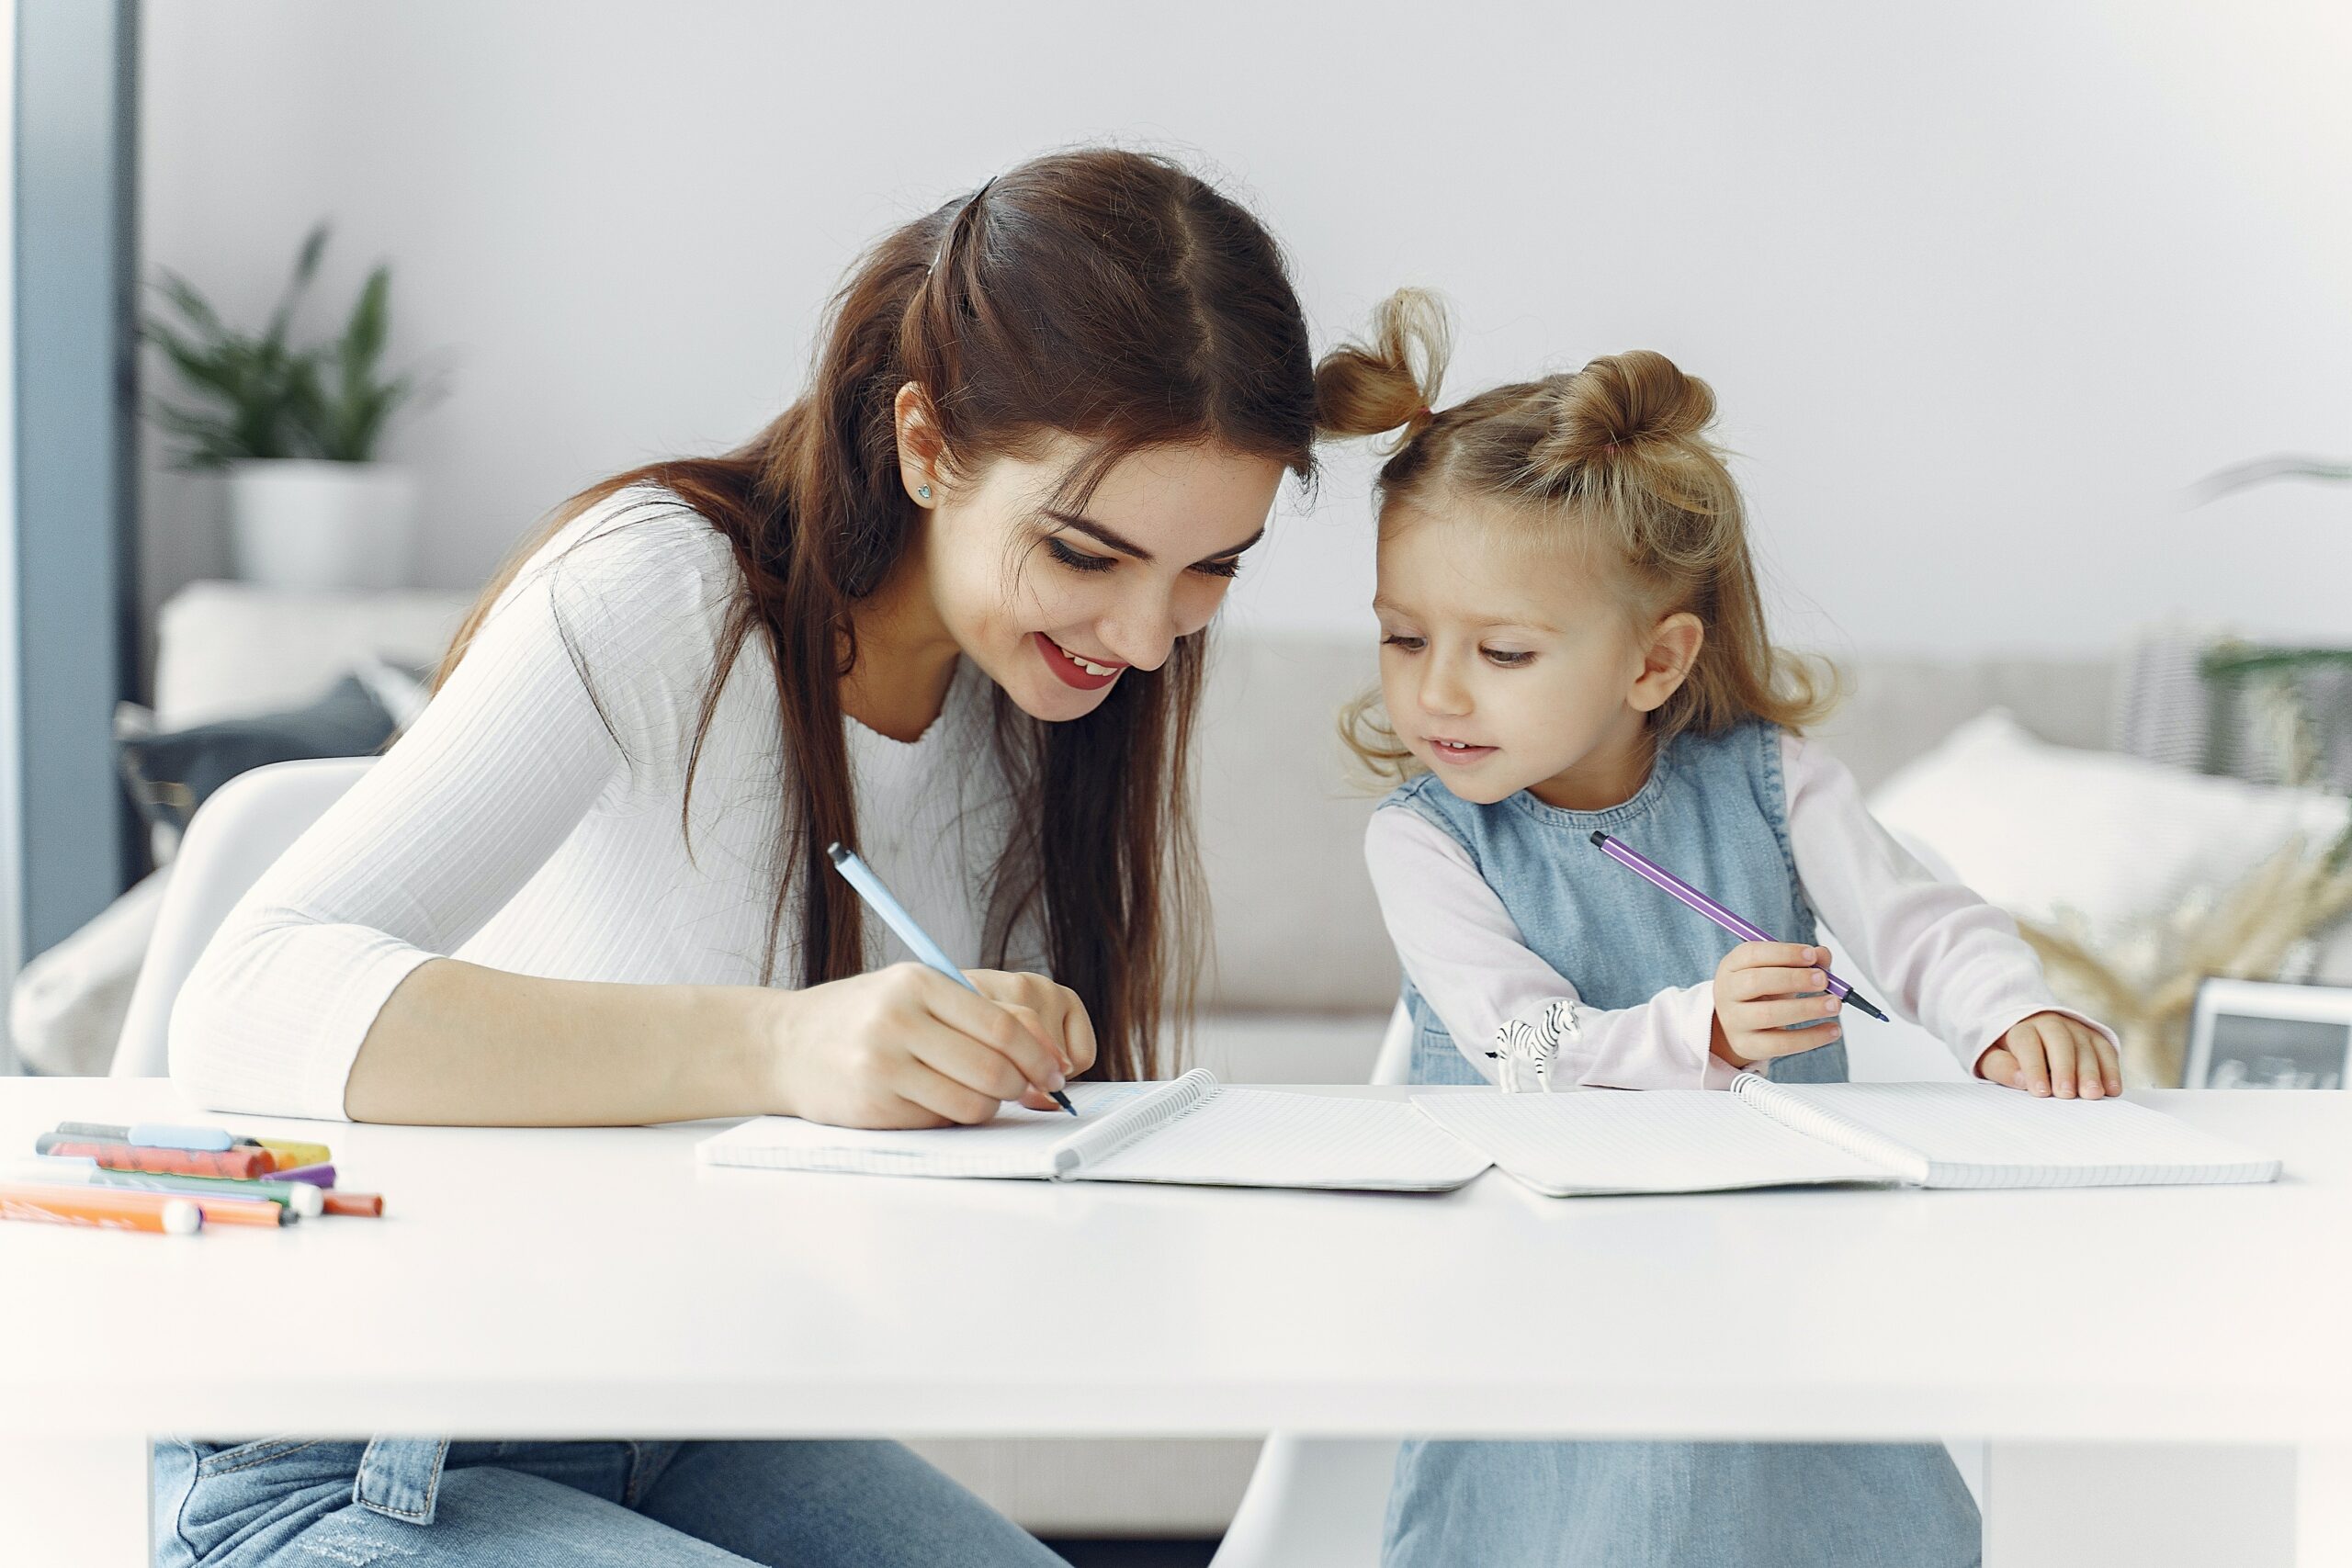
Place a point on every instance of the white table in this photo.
(574, 1284)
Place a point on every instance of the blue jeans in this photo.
(421, 1503)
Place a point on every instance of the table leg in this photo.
(74, 1502)
(2146, 1505)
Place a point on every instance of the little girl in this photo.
(1572, 640)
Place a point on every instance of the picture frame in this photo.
(2268, 1034)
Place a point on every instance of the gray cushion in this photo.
(171, 774)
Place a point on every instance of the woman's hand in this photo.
(906, 1046)
(1049, 1009)
(2050, 1053)
(1762, 985)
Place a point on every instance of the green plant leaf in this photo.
(306, 266)
(2262, 470)
(363, 340)
(190, 304)
(265, 396)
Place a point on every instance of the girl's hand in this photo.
(906, 1046)
(1762, 985)
(2051, 1054)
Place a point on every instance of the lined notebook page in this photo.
(1979, 1134)
(1019, 1143)
(1251, 1137)
(1661, 1140)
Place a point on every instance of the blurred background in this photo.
(1983, 286)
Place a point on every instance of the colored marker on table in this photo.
(1675, 887)
(101, 1207)
(209, 1140)
(289, 1154)
(240, 1164)
(295, 1200)
(309, 1175)
(878, 898)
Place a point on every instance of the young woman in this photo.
(945, 609)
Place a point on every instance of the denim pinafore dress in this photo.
(1714, 812)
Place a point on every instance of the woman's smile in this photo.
(1086, 674)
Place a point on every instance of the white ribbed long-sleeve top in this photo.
(532, 820)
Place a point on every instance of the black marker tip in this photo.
(1864, 1002)
(1063, 1100)
(1599, 837)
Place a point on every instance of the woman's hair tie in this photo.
(947, 235)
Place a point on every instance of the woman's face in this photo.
(1056, 601)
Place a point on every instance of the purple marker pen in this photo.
(1674, 886)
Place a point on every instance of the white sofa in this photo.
(1303, 978)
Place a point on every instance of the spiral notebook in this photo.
(1192, 1131)
(1769, 1135)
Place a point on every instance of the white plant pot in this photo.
(307, 524)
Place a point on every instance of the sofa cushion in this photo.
(1282, 830)
(170, 773)
(2045, 831)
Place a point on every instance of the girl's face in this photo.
(1056, 601)
(1507, 663)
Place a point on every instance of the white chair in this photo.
(1320, 1502)
(236, 835)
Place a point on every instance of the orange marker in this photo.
(105, 1207)
(370, 1204)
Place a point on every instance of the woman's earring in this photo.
(923, 493)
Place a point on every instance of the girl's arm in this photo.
(1465, 955)
(1941, 957)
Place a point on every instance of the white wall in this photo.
(1981, 287)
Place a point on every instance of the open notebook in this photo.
(1769, 1135)
(1190, 1130)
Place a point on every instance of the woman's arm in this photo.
(1941, 956)
(442, 832)
(1465, 955)
(325, 994)
(460, 1045)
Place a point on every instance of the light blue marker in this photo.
(878, 898)
(198, 1140)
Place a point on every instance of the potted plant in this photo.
(295, 429)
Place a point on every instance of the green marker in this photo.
(304, 1199)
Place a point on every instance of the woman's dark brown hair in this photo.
(1106, 295)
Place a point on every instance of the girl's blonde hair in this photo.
(1615, 455)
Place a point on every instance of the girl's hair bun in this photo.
(1392, 381)
(1622, 406)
